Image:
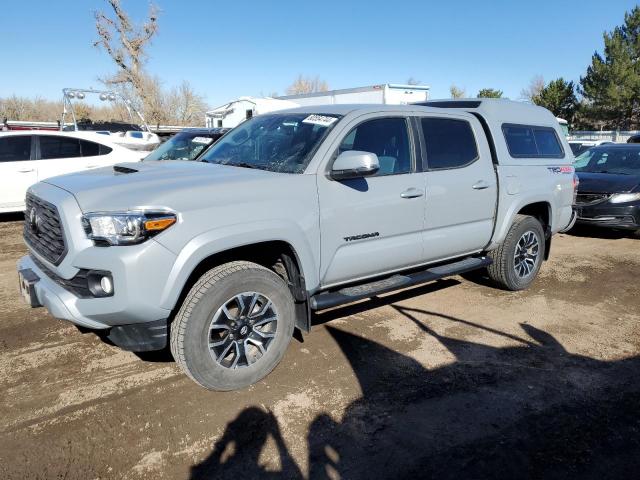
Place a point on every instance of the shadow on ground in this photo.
(11, 217)
(532, 410)
(604, 233)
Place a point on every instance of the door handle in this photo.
(92, 166)
(412, 193)
(481, 185)
(26, 171)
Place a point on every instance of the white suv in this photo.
(26, 157)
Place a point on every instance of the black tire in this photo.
(191, 334)
(503, 271)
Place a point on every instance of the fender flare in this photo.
(507, 218)
(229, 237)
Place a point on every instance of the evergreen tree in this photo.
(611, 87)
(559, 97)
(489, 93)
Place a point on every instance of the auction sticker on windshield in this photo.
(204, 140)
(320, 120)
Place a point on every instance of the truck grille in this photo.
(43, 229)
(584, 199)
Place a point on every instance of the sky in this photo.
(227, 49)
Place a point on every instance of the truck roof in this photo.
(498, 110)
(494, 110)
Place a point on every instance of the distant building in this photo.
(237, 111)
(388, 93)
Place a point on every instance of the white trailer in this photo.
(387, 93)
(237, 111)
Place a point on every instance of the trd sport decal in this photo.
(563, 169)
(361, 237)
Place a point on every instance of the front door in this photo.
(17, 171)
(373, 225)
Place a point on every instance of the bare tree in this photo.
(412, 81)
(16, 108)
(536, 85)
(457, 92)
(185, 105)
(126, 44)
(304, 84)
(41, 110)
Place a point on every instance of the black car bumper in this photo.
(610, 215)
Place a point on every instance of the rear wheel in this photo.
(517, 261)
(234, 326)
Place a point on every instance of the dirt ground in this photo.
(450, 380)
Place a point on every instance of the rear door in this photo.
(58, 155)
(374, 224)
(461, 186)
(17, 170)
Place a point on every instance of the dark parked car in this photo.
(634, 139)
(187, 144)
(581, 146)
(609, 190)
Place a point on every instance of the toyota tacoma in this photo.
(292, 212)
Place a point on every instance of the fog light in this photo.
(100, 283)
(106, 285)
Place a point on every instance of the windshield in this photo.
(282, 142)
(185, 145)
(621, 160)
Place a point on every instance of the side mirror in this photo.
(354, 164)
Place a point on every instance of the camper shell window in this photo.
(530, 141)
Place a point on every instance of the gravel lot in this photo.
(449, 380)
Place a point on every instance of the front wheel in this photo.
(234, 326)
(517, 261)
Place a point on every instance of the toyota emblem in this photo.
(34, 220)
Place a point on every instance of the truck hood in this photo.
(166, 184)
(607, 182)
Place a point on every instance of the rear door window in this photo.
(529, 141)
(59, 147)
(449, 143)
(15, 149)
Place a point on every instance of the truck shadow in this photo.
(530, 410)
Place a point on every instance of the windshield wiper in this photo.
(244, 165)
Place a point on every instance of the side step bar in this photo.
(324, 300)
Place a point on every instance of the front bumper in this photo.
(39, 290)
(46, 293)
(605, 214)
(139, 277)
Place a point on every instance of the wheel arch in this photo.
(537, 207)
(542, 212)
(279, 256)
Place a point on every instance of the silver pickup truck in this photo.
(292, 212)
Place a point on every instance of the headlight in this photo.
(624, 197)
(126, 228)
